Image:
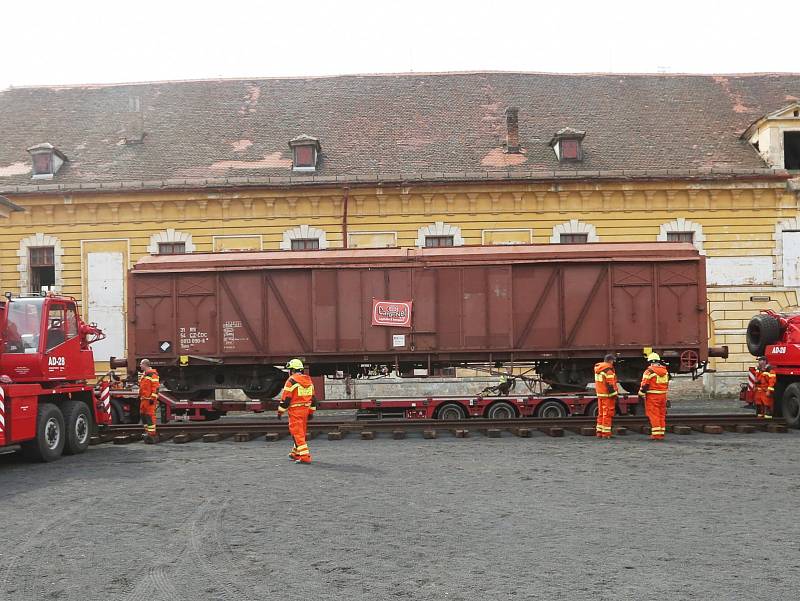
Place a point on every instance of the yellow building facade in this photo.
(737, 224)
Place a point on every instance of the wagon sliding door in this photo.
(562, 306)
(153, 315)
(633, 301)
(680, 311)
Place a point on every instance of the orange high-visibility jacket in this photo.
(655, 380)
(148, 386)
(765, 383)
(298, 392)
(605, 380)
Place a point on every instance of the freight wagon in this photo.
(231, 320)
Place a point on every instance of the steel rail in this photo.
(191, 431)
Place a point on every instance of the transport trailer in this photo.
(46, 405)
(504, 407)
(125, 407)
(231, 320)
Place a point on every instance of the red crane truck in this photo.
(47, 406)
(776, 336)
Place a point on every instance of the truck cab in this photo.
(42, 341)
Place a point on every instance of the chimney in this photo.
(512, 129)
(133, 122)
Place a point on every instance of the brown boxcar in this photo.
(226, 320)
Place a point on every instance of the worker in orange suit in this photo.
(299, 401)
(148, 400)
(653, 390)
(605, 385)
(765, 388)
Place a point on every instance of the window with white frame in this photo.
(170, 242)
(304, 237)
(574, 231)
(439, 234)
(682, 230)
(305, 244)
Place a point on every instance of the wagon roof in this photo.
(463, 255)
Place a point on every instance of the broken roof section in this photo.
(386, 128)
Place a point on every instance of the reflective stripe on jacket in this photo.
(765, 382)
(148, 385)
(655, 380)
(605, 380)
(298, 392)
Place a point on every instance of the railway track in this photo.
(246, 430)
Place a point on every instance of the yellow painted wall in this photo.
(738, 219)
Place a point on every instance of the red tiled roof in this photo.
(385, 127)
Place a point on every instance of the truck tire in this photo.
(551, 408)
(501, 410)
(451, 411)
(77, 426)
(49, 442)
(762, 331)
(591, 409)
(790, 405)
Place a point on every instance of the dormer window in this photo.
(567, 143)
(47, 160)
(305, 153)
(776, 137)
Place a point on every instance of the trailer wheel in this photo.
(591, 409)
(49, 442)
(791, 405)
(551, 408)
(78, 427)
(762, 331)
(502, 410)
(451, 411)
(631, 386)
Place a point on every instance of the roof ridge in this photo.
(394, 74)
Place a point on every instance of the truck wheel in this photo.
(591, 409)
(502, 410)
(551, 408)
(451, 411)
(762, 331)
(791, 405)
(78, 427)
(49, 442)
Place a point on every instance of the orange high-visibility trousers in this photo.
(655, 407)
(766, 404)
(148, 413)
(605, 416)
(298, 423)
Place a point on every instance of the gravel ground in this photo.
(697, 517)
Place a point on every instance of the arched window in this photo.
(439, 234)
(40, 263)
(170, 242)
(574, 232)
(304, 237)
(682, 230)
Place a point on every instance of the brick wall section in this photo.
(731, 310)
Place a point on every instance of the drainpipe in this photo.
(346, 190)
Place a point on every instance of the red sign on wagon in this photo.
(396, 314)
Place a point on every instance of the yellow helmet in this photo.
(653, 357)
(294, 364)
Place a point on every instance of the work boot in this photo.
(150, 439)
